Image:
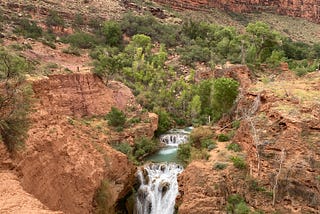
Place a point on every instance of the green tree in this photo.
(275, 58)
(225, 91)
(112, 32)
(195, 107)
(159, 58)
(263, 40)
(15, 99)
(140, 41)
(164, 122)
(11, 66)
(107, 62)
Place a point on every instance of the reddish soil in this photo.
(287, 118)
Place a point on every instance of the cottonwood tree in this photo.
(225, 92)
(263, 40)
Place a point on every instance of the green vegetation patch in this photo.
(238, 162)
(15, 100)
(116, 117)
(234, 147)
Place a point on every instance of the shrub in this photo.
(124, 147)
(223, 138)
(235, 199)
(238, 162)
(212, 146)
(254, 186)
(54, 19)
(81, 40)
(199, 154)
(107, 62)
(95, 24)
(208, 144)
(234, 147)
(301, 71)
(72, 50)
(242, 208)
(295, 50)
(220, 166)
(112, 32)
(194, 53)
(144, 146)
(116, 117)
(119, 129)
(101, 199)
(49, 43)
(78, 21)
(148, 25)
(236, 124)
(134, 120)
(200, 135)
(184, 152)
(236, 204)
(28, 29)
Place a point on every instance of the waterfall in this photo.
(158, 189)
(158, 181)
(175, 137)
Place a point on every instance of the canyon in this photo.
(68, 157)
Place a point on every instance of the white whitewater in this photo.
(158, 189)
(175, 137)
(158, 181)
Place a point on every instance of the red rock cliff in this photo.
(64, 162)
(309, 9)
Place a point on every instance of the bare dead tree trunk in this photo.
(252, 110)
(256, 144)
(275, 186)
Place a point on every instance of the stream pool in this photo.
(158, 177)
(171, 140)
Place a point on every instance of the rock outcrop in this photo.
(285, 127)
(280, 125)
(198, 188)
(13, 199)
(79, 94)
(308, 9)
(65, 160)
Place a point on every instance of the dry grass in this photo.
(297, 29)
(293, 98)
(302, 89)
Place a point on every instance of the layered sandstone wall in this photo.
(65, 160)
(308, 9)
(63, 164)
